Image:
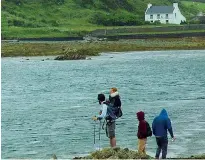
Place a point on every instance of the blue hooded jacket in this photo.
(161, 124)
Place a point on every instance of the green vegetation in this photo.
(115, 153)
(198, 156)
(119, 153)
(194, 6)
(94, 48)
(63, 18)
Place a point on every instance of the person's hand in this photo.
(173, 139)
(95, 118)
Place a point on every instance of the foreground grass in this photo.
(94, 48)
(120, 153)
(116, 153)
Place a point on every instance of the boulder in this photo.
(70, 57)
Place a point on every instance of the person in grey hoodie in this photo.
(160, 126)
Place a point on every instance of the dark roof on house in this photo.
(160, 9)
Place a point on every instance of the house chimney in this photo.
(149, 5)
(175, 5)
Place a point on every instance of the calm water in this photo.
(47, 105)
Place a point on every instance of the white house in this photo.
(164, 14)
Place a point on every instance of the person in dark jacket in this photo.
(142, 133)
(114, 99)
(160, 126)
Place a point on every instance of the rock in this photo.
(70, 57)
(54, 157)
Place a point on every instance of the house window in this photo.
(175, 15)
(158, 16)
(167, 21)
(167, 16)
(151, 16)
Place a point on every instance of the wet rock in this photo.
(70, 57)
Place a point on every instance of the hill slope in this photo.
(55, 18)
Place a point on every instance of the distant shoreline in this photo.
(94, 48)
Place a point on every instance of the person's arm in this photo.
(103, 113)
(153, 126)
(169, 127)
(138, 132)
(117, 102)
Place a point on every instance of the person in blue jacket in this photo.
(160, 126)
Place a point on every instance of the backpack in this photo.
(112, 112)
(149, 131)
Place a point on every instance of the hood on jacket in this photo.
(140, 116)
(114, 94)
(163, 113)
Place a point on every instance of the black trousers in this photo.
(162, 143)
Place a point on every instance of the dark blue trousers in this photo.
(162, 143)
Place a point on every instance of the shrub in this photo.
(115, 19)
(147, 23)
(194, 22)
(54, 23)
(156, 22)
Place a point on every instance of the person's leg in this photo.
(111, 133)
(113, 142)
(141, 146)
(145, 142)
(164, 147)
(159, 147)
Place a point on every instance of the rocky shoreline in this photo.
(80, 49)
(120, 153)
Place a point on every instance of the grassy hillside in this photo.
(60, 18)
(195, 7)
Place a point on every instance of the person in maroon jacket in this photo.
(142, 133)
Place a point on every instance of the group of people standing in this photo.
(160, 125)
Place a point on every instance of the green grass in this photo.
(120, 153)
(200, 7)
(72, 18)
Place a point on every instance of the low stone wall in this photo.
(52, 39)
(104, 32)
(146, 36)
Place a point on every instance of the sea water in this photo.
(47, 105)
